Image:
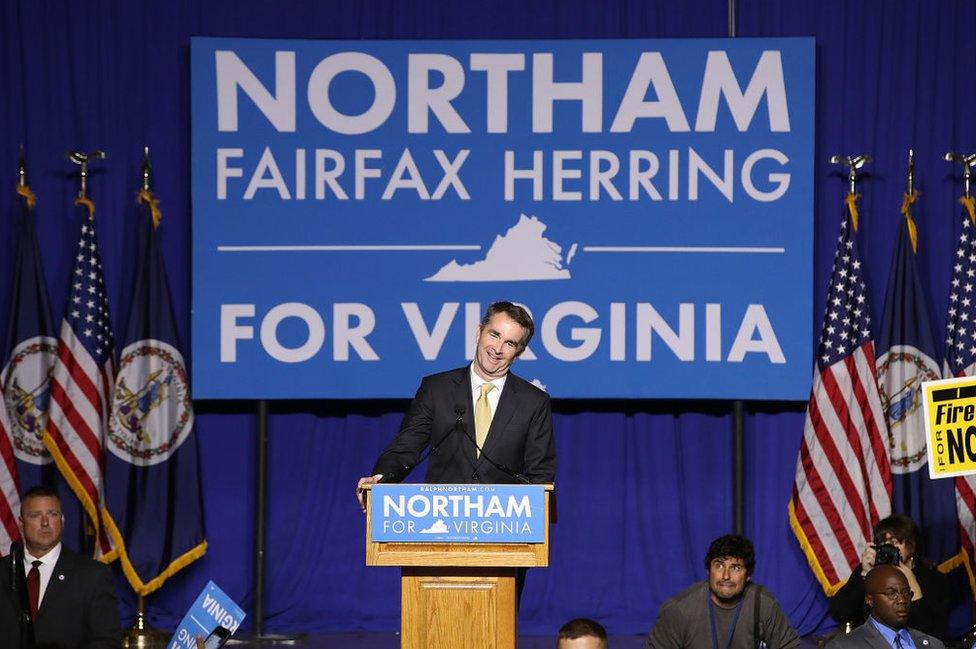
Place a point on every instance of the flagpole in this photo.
(141, 635)
(260, 504)
(22, 168)
(738, 466)
(853, 163)
(968, 161)
(82, 159)
(258, 636)
(738, 408)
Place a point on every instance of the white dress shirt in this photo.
(46, 569)
(493, 396)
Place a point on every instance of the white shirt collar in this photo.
(476, 380)
(49, 558)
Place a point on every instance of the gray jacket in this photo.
(683, 622)
(868, 636)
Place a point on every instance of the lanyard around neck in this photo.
(735, 620)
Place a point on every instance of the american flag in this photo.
(960, 360)
(843, 476)
(81, 384)
(9, 485)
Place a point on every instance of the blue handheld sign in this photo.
(212, 609)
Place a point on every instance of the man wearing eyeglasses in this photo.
(71, 598)
(889, 600)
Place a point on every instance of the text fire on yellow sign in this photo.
(950, 426)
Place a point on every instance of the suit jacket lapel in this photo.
(874, 637)
(58, 582)
(463, 400)
(507, 405)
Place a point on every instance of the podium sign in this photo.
(458, 513)
(458, 566)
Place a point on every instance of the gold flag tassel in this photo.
(906, 210)
(851, 202)
(146, 196)
(86, 202)
(970, 204)
(29, 197)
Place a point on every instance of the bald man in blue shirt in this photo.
(889, 600)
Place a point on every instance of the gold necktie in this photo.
(482, 416)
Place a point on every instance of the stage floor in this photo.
(392, 641)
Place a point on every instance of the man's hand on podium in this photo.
(361, 489)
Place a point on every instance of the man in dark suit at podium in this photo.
(72, 597)
(482, 423)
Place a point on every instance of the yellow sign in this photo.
(950, 426)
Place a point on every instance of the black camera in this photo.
(886, 554)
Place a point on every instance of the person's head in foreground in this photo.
(41, 520)
(888, 596)
(582, 633)
(729, 562)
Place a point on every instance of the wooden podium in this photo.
(458, 595)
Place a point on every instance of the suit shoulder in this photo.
(5, 572)
(528, 389)
(925, 641)
(78, 562)
(856, 638)
(844, 640)
(450, 376)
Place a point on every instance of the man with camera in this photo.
(889, 602)
(896, 543)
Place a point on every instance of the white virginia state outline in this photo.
(522, 254)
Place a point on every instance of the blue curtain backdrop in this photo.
(642, 486)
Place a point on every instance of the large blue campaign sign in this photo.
(358, 204)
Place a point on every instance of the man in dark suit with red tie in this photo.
(482, 423)
(72, 598)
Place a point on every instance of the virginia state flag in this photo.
(907, 358)
(31, 348)
(152, 477)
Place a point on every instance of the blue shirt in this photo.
(889, 635)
